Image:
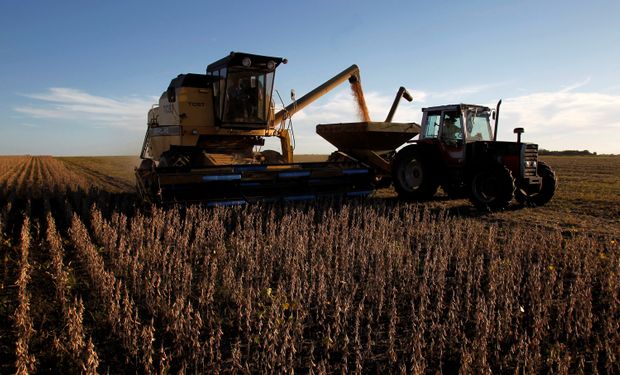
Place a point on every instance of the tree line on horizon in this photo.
(542, 151)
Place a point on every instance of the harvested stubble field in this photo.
(92, 282)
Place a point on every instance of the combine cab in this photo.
(202, 140)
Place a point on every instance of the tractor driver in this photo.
(243, 98)
(452, 128)
(235, 108)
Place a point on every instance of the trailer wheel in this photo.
(272, 157)
(547, 190)
(338, 157)
(492, 188)
(412, 175)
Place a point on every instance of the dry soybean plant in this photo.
(363, 288)
(23, 322)
(321, 287)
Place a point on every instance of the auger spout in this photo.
(352, 74)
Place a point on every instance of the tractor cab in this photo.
(457, 124)
(451, 127)
(242, 90)
(458, 151)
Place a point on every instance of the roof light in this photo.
(246, 62)
(271, 65)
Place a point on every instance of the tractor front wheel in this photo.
(412, 175)
(492, 188)
(547, 189)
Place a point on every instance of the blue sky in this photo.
(78, 77)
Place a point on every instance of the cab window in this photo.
(452, 129)
(479, 126)
(431, 126)
(247, 96)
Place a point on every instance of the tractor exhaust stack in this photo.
(496, 120)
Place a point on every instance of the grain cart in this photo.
(202, 139)
(458, 150)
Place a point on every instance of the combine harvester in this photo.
(201, 140)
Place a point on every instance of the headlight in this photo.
(246, 62)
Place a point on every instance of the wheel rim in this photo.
(412, 175)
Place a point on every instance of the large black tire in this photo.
(492, 188)
(338, 157)
(547, 190)
(412, 175)
(272, 157)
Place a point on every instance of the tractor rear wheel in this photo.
(412, 175)
(547, 189)
(492, 188)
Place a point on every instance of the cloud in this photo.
(98, 111)
(576, 85)
(565, 120)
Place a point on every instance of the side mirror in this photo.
(293, 96)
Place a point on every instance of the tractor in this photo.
(458, 150)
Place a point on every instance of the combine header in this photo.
(202, 138)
